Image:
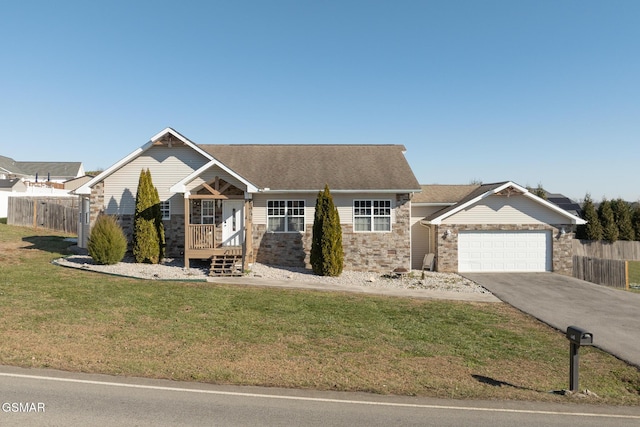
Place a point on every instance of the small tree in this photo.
(609, 227)
(148, 230)
(327, 254)
(107, 242)
(592, 230)
(539, 191)
(622, 214)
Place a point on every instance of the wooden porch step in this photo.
(226, 265)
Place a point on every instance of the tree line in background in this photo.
(611, 220)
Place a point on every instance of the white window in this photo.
(372, 215)
(285, 216)
(208, 212)
(165, 207)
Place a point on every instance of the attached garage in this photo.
(500, 251)
(500, 227)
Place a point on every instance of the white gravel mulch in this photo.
(173, 269)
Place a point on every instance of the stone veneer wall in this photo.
(562, 249)
(379, 252)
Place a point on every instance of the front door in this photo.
(232, 222)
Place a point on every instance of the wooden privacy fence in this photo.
(60, 214)
(601, 249)
(608, 272)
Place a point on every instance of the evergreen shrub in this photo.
(107, 242)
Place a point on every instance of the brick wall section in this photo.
(562, 249)
(379, 252)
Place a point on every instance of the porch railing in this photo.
(201, 236)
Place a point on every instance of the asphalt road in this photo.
(612, 315)
(54, 398)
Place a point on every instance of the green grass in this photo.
(634, 275)
(82, 321)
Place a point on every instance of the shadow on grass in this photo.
(498, 383)
(53, 244)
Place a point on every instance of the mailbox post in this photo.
(577, 337)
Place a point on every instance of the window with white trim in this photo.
(285, 216)
(165, 208)
(208, 212)
(372, 215)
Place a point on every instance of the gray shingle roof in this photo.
(54, 169)
(310, 167)
(10, 166)
(438, 193)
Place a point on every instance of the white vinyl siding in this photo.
(167, 165)
(501, 251)
(506, 210)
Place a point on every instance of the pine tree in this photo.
(592, 230)
(622, 215)
(636, 220)
(148, 230)
(327, 254)
(609, 227)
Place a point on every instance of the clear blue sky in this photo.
(536, 92)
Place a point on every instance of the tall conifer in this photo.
(148, 230)
(327, 254)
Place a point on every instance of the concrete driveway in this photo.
(612, 315)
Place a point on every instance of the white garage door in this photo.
(504, 251)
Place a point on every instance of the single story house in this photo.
(491, 228)
(246, 203)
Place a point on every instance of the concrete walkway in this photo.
(612, 315)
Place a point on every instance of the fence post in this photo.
(626, 275)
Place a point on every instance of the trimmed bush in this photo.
(327, 254)
(107, 242)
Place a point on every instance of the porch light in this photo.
(446, 234)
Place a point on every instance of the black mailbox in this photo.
(579, 336)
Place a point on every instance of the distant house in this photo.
(492, 228)
(257, 202)
(57, 172)
(12, 185)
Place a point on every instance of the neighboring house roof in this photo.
(64, 170)
(486, 190)
(310, 167)
(565, 203)
(438, 194)
(14, 184)
(294, 167)
(10, 166)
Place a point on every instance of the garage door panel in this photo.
(504, 251)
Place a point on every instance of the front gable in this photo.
(504, 209)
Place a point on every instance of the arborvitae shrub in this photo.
(107, 242)
(327, 254)
(148, 230)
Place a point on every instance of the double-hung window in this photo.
(372, 215)
(165, 207)
(285, 216)
(208, 212)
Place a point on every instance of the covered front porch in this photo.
(218, 227)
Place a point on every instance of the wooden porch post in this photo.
(187, 221)
(247, 246)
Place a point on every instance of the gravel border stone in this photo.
(438, 285)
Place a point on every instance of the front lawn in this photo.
(82, 321)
